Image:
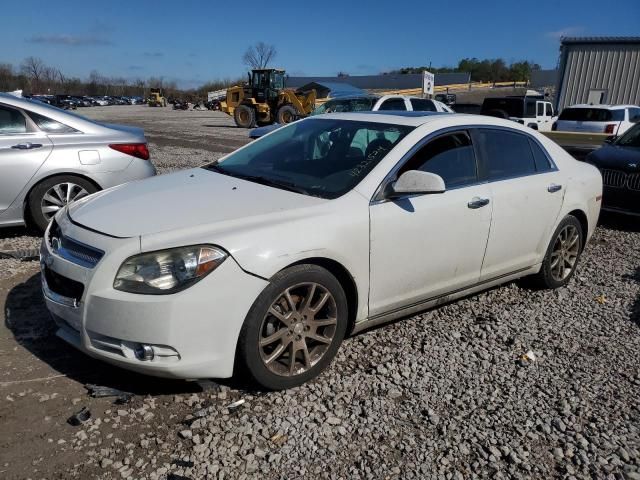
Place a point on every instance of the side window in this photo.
(12, 121)
(450, 156)
(540, 109)
(393, 104)
(549, 110)
(634, 115)
(422, 105)
(541, 160)
(505, 154)
(530, 109)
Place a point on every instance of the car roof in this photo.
(600, 105)
(72, 120)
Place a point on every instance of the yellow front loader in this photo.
(265, 100)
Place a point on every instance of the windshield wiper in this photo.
(282, 184)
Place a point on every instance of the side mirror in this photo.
(415, 182)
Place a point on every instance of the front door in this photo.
(425, 246)
(22, 152)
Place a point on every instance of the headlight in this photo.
(167, 271)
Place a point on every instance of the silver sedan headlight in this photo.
(168, 271)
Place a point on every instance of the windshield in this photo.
(631, 138)
(320, 157)
(512, 107)
(591, 115)
(364, 104)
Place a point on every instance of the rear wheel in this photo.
(245, 116)
(54, 193)
(287, 114)
(562, 256)
(294, 327)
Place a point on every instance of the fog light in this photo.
(144, 352)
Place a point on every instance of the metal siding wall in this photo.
(615, 68)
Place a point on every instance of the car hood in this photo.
(181, 200)
(614, 156)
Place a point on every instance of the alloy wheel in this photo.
(565, 253)
(60, 195)
(298, 329)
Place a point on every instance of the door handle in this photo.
(27, 146)
(477, 202)
(554, 187)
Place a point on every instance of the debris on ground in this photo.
(98, 391)
(601, 299)
(235, 405)
(21, 254)
(80, 417)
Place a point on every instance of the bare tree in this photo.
(33, 68)
(259, 55)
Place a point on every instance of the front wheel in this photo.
(286, 114)
(294, 328)
(562, 255)
(54, 193)
(245, 116)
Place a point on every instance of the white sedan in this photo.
(262, 262)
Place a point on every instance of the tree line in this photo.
(487, 70)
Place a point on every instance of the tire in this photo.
(51, 194)
(245, 116)
(286, 114)
(551, 274)
(269, 365)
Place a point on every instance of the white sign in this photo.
(428, 81)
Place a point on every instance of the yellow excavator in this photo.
(265, 100)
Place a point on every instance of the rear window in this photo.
(591, 115)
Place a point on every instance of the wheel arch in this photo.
(584, 223)
(25, 201)
(346, 281)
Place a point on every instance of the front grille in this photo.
(633, 181)
(72, 250)
(62, 285)
(613, 178)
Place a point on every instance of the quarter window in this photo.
(450, 156)
(48, 125)
(543, 164)
(505, 154)
(12, 121)
(393, 104)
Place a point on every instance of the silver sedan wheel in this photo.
(298, 329)
(565, 253)
(60, 195)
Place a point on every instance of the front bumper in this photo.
(621, 200)
(193, 333)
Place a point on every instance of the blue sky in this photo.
(193, 41)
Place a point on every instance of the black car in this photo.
(619, 163)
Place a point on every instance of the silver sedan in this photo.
(50, 157)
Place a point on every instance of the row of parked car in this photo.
(75, 101)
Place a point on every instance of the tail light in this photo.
(138, 150)
(554, 127)
(610, 128)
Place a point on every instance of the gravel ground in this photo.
(511, 383)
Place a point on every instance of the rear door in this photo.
(527, 191)
(23, 149)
